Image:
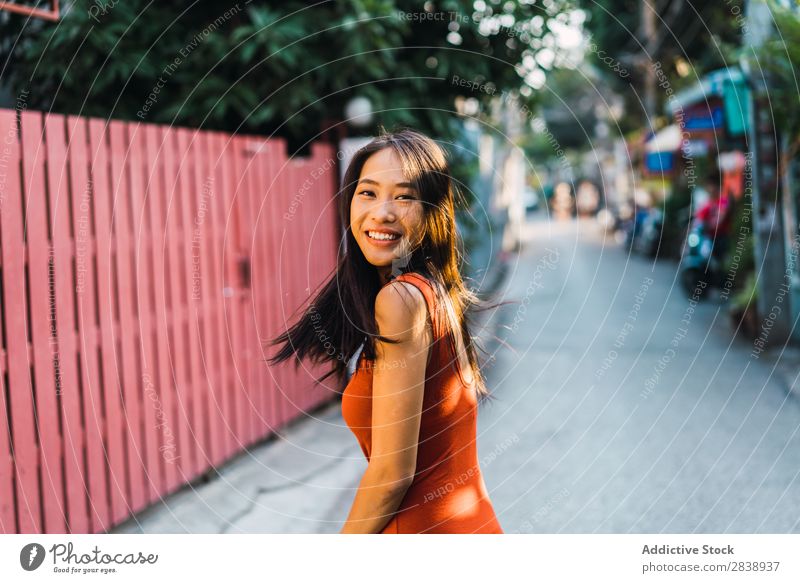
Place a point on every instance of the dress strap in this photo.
(427, 290)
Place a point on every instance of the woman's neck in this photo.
(384, 274)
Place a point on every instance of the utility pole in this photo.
(648, 24)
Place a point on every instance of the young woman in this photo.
(397, 293)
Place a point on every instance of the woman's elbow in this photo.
(394, 480)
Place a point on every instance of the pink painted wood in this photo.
(144, 268)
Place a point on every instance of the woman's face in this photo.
(386, 213)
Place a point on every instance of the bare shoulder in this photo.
(401, 311)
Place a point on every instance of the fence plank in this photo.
(19, 390)
(308, 267)
(216, 226)
(178, 320)
(285, 370)
(65, 355)
(251, 338)
(203, 295)
(128, 337)
(148, 388)
(260, 276)
(296, 234)
(90, 378)
(116, 431)
(40, 264)
(234, 290)
(196, 386)
(272, 215)
(166, 415)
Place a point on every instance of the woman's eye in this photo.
(367, 192)
(408, 196)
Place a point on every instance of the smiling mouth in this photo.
(378, 236)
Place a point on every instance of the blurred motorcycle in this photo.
(649, 238)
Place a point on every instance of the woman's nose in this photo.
(385, 211)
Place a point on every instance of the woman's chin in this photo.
(381, 263)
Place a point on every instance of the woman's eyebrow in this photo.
(376, 183)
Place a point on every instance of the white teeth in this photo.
(381, 236)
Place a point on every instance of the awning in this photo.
(711, 85)
(728, 84)
(667, 139)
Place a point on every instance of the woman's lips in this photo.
(382, 242)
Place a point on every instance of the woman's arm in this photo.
(397, 389)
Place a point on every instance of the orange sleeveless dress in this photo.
(448, 494)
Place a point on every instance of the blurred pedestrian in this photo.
(715, 215)
(587, 199)
(563, 204)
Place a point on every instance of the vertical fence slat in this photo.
(312, 273)
(223, 224)
(177, 311)
(203, 298)
(308, 267)
(116, 429)
(148, 388)
(19, 390)
(296, 239)
(39, 272)
(128, 337)
(166, 416)
(216, 225)
(7, 510)
(90, 379)
(317, 271)
(252, 299)
(260, 276)
(282, 185)
(271, 217)
(197, 384)
(234, 338)
(259, 273)
(191, 194)
(295, 235)
(246, 198)
(65, 359)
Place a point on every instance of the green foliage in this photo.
(748, 295)
(779, 56)
(268, 67)
(698, 33)
(741, 261)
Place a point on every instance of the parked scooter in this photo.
(648, 239)
(700, 268)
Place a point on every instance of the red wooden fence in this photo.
(142, 267)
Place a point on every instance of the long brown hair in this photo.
(342, 315)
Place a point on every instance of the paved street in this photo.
(620, 407)
(615, 431)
